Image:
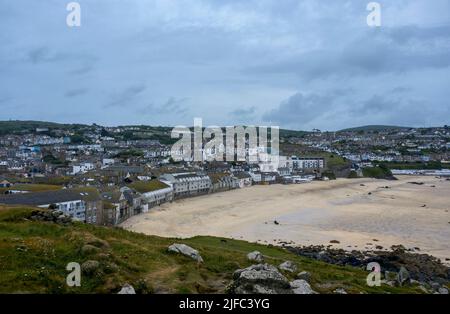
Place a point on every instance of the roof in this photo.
(147, 186)
(40, 198)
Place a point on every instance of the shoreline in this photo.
(357, 214)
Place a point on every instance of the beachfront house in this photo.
(69, 202)
(187, 184)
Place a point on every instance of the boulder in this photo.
(340, 291)
(89, 249)
(443, 291)
(186, 250)
(304, 275)
(255, 257)
(90, 267)
(259, 279)
(300, 286)
(403, 276)
(288, 266)
(127, 289)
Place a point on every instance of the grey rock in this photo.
(260, 279)
(304, 275)
(90, 267)
(300, 286)
(89, 249)
(340, 291)
(255, 257)
(186, 250)
(443, 291)
(288, 266)
(403, 276)
(127, 289)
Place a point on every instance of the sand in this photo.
(416, 216)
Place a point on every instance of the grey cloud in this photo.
(127, 96)
(299, 109)
(244, 114)
(173, 106)
(75, 92)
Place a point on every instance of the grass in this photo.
(32, 187)
(34, 255)
(147, 186)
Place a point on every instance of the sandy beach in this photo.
(360, 213)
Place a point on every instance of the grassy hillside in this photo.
(372, 128)
(34, 255)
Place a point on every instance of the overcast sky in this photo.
(293, 63)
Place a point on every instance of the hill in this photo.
(372, 128)
(34, 255)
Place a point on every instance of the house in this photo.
(116, 207)
(244, 179)
(5, 184)
(223, 182)
(68, 201)
(153, 193)
(187, 183)
(256, 177)
(284, 171)
(268, 177)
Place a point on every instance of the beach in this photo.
(355, 214)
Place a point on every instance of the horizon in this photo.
(191, 126)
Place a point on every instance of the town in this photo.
(105, 175)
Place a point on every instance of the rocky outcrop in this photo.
(186, 250)
(255, 257)
(304, 275)
(425, 269)
(127, 289)
(300, 286)
(288, 266)
(260, 279)
(55, 216)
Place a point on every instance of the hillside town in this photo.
(104, 175)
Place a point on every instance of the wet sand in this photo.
(316, 213)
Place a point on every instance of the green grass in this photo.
(147, 186)
(34, 255)
(32, 187)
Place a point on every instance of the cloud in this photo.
(299, 109)
(127, 96)
(173, 106)
(244, 114)
(75, 92)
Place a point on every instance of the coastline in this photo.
(356, 214)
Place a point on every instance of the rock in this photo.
(300, 286)
(255, 257)
(186, 250)
(443, 291)
(90, 267)
(304, 275)
(403, 276)
(89, 249)
(288, 266)
(340, 291)
(335, 241)
(259, 279)
(127, 289)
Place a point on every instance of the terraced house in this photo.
(187, 183)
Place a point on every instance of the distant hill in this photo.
(369, 128)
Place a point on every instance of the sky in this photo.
(297, 64)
